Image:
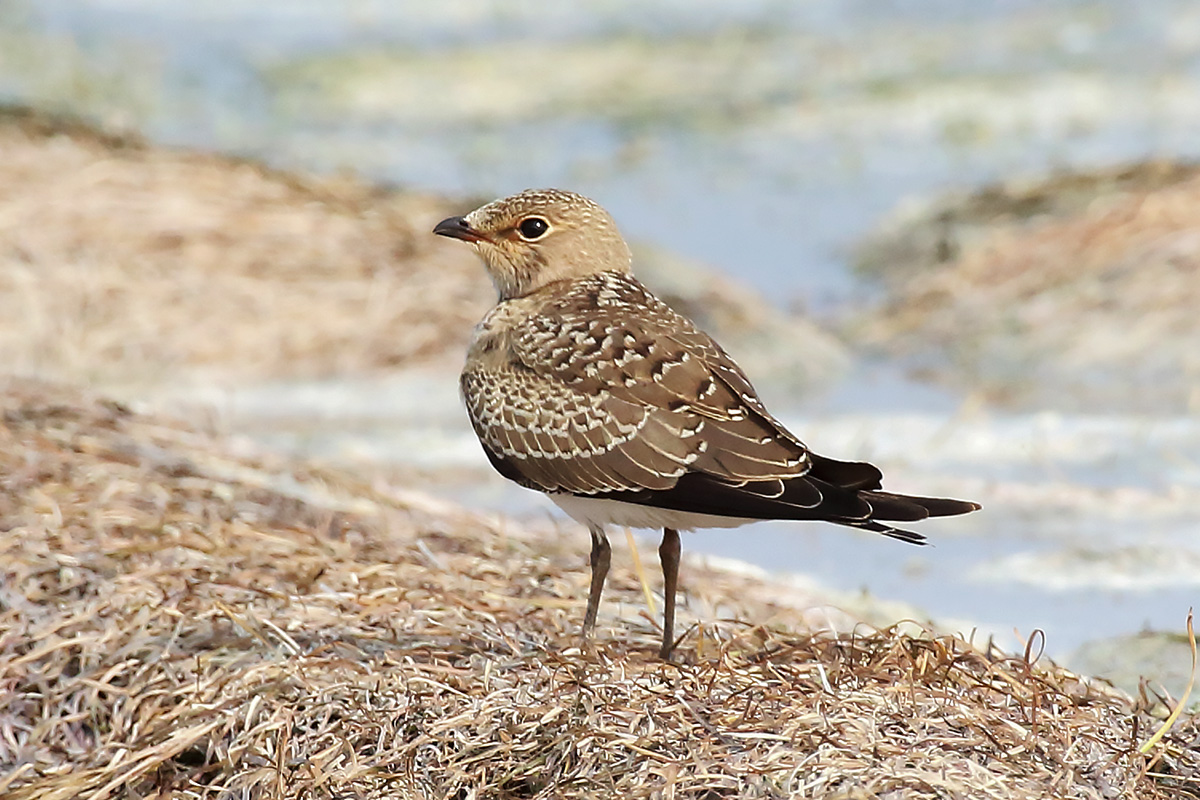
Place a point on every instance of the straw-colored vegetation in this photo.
(180, 620)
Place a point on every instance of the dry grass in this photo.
(122, 263)
(180, 620)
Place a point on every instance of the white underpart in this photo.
(595, 511)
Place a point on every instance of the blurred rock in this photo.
(123, 264)
(1077, 292)
(131, 266)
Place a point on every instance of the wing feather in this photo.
(602, 389)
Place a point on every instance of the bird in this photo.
(582, 384)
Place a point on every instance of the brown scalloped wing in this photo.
(607, 337)
(606, 390)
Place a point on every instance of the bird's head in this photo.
(538, 237)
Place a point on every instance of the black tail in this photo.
(805, 497)
(906, 508)
(887, 530)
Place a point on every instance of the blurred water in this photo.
(825, 117)
(832, 112)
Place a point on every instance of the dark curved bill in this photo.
(457, 228)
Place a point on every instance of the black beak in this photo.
(457, 228)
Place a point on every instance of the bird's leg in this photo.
(668, 554)
(601, 555)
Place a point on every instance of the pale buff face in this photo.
(538, 237)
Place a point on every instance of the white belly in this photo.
(594, 511)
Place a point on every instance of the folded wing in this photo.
(608, 392)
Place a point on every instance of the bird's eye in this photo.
(532, 228)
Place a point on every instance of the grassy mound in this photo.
(181, 619)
